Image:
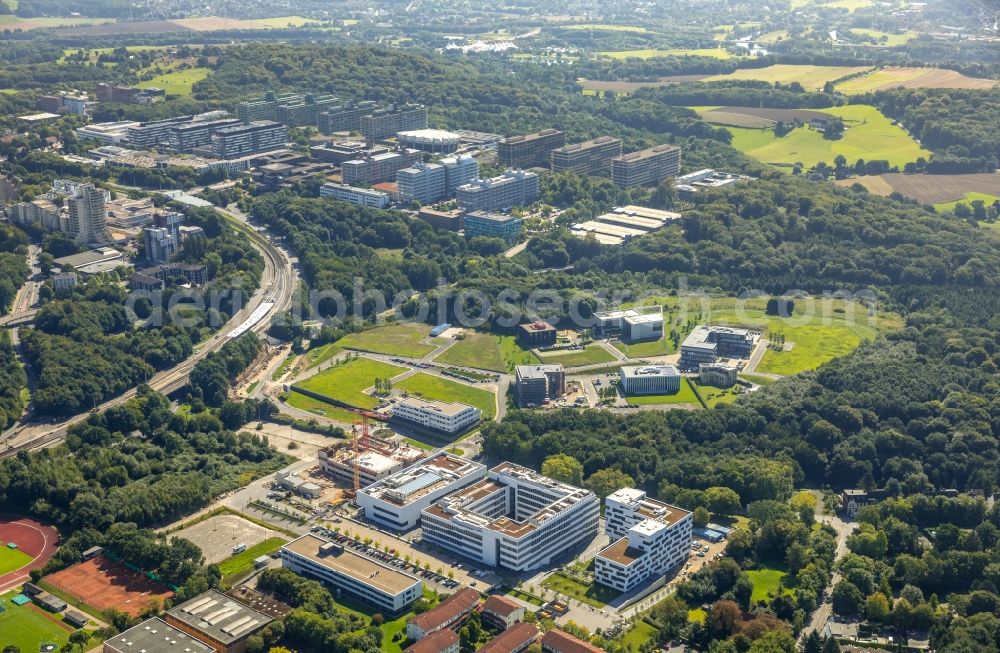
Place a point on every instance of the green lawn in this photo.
(593, 594)
(178, 82)
(646, 349)
(685, 396)
(402, 339)
(346, 382)
(322, 354)
(441, 389)
(390, 628)
(849, 5)
(890, 39)
(714, 396)
(590, 355)
(12, 559)
(513, 354)
(479, 350)
(765, 583)
(715, 53)
(869, 135)
(280, 22)
(243, 562)
(757, 379)
(967, 200)
(302, 402)
(527, 598)
(26, 627)
(281, 369)
(639, 634)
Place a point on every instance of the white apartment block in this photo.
(396, 501)
(513, 188)
(450, 418)
(649, 379)
(649, 538)
(516, 518)
(424, 182)
(357, 576)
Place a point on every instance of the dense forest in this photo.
(13, 270)
(959, 126)
(12, 381)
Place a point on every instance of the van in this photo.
(239, 548)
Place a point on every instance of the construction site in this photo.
(366, 458)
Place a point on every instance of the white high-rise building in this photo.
(649, 538)
(87, 214)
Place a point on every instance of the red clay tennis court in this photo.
(102, 583)
(32, 537)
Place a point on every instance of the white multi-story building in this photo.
(650, 379)
(396, 501)
(516, 518)
(649, 538)
(629, 324)
(108, 133)
(424, 182)
(360, 196)
(513, 188)
(446, 417)
(253, 138)
(87, 215)
(718, 374)
(459, 170)
(707, 344)
(391, 591)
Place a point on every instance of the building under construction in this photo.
(371, 457)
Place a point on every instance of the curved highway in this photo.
(277, 285)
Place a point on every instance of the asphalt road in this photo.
(278, 284)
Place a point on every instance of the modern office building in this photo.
(251, 138)
(513, 640)
(107, 133)
(344, 117)
(535, 384)
(182, 133)
(650, 379)
(379, 167)
(689, 185)
(190, 272)
(649, 538)
(559, 641)
(443, 641)
(112, 93)
(450, 613)
(424, 182)
(536, 334)
(450, 220)
(707, 344)
(629, 324)
(449, 418)
(87, 215)
(587, 158)
(155, 636)
(719, 375)
(396, 501)
(389, 121)
(220, 621)
(351, 574)
(513, 188)
(646, 167)
(435, 141)
(360, 196)
(515, 518)
(501, 612)
(265, 108)
(530, 150)
(492, 225)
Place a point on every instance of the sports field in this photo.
(715, 53)
(869, 135)
(12, 559)
(810, 77)
(403, 339)
(480, 350)
(102, 584)
(347, 381)
(28, 627)
(178, 82)
(441, 389)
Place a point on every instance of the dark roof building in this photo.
(442, 641)
(513, 640)
(558, 641)
(155, 636)
(450, 612)
(219, 620)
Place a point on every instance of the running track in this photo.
(32, 537)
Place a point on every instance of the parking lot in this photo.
(217, 535)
